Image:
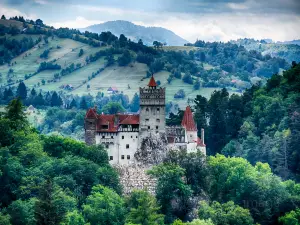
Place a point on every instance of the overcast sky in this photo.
(210, 20)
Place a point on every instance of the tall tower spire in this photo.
(152, 82)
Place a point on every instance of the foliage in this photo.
(172, 193)
(143, 209)
(104, 206)
(291, 218)
(225, 214)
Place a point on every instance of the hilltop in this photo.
(136, 32)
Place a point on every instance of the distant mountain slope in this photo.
(290, 50)
(136, 32)
(294, 42)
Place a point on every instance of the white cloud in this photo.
(9, 12)
(41, 2)
(79, 22)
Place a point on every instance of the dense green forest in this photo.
(56, 180)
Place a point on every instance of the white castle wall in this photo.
(120, 146)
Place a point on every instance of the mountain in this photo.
(293, 42)
(136, 32)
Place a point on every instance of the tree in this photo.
(52, 204)
(125, 58)
(39, 22)
(135, 103)
(187, 78)
(197, 84)
(122, 41)
(83, 104)
(33, 92)
(104, 207)
(143, 209)
(80, 52)
(225, 214)
(74, 218)
(113, 108)
(15, 113)
(172, 193)
(56, 100)
(140, 42)
(22, 91)
(39, 100)
(4, 219)
(22, 212)
(291, 218)
(73, 104)
(3, 17)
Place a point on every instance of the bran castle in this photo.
(122, 134)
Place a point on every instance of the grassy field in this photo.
(64, 52)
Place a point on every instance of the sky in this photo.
(209, 20)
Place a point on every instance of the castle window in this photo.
(131, 136)
(148, 127)
(158, 120)
(147, 120)
(156, 127)
(106, 146)
(104, 127)
(157, 109)
(127, 145)
(128, 156)
(135, 136)
(111, 158)
(122, 137)
(103, 136)
(90, 123)
(122, 157)
(112, 137)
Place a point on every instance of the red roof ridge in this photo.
(200, 142)
(91, 113)
(188, 120)
(152, 82)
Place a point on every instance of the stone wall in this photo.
(135, 177)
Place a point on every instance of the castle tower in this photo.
(152, 109)
(90, 124)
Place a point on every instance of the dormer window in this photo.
(104, 127)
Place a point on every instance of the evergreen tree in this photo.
(22, 91)
(73, 104)
(39, 100)
(8, 94)
(33, 92)
(83, 104)
(200, 115)
(56, 100)
(15, 113)
(135, 103)
(48, 98)
(52, 204)
(3, 17)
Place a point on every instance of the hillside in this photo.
(289, 50)
(82, 64)
(136, 32)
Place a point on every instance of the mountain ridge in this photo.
(136, 32)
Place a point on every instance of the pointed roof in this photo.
(152, 82)
(188, 121)
(91, 114)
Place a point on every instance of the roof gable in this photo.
(188, 121)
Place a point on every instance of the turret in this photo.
(90, 126)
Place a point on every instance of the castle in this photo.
(122, 134)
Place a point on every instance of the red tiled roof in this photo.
(108, 120)
(152, 82)
(188, 120)
(131, 119)
(111, 123)
(91, 114)
(200, 142)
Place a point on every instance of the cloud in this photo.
(210, 20)
(79, 22)
(10, 12)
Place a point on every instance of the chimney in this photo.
(202, 135)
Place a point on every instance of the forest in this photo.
(57, 180)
